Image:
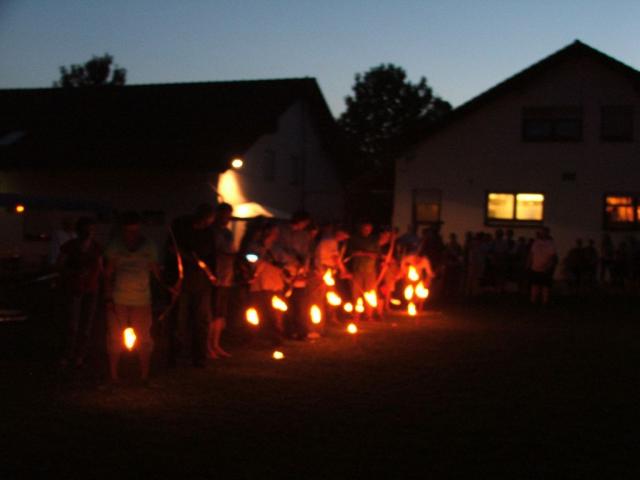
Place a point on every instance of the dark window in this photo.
(512, 207)
(616, 123)
(552, 124)
(621, 211)
(269, 165)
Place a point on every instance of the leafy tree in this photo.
(98, 71)
(385, 105)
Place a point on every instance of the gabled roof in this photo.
(576, 49)
(188, 125)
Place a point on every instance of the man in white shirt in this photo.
(542, 262)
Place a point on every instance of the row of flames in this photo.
(414, 289)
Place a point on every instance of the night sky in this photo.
(462, 47)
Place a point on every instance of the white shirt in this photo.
(543, 252)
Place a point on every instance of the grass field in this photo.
(493, 389)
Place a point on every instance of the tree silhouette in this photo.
(385, 105)
(98, 71)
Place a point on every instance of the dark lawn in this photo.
(491, 389)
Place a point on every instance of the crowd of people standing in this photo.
(207, 281)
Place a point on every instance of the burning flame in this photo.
(352, 328)
(202, 265)
(279, 304)
(421, 291)
(129, 338)
(278, 355)
(348, 307)
(408, 292)
(328, 278)
(316, 314)
(413, 274)
(20, 208)
(395, 301)
(411, 309)
(371, 298)
(359, 305)
(334, 299)
(252, 316)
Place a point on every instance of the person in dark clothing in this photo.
(195, 239)
(81, 264)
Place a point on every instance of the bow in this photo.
(387, 259)
(178, 285)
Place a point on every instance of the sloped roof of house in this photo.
(187, 125)
(574, 50)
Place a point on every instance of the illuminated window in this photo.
(552, 124)
(515, 207)
(621, 211)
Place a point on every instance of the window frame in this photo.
(513, 221)
(554, 119)
(619, 226)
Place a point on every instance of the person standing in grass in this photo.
(80, 265)
(225, 259)
(130, 260)
(542, 262)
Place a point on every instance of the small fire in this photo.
(129, 338)
(252, 316)
(360, 305)
(371, 298)
(411, 309)
(278, 355)
(352, 328)
(316, 314)
(408, 293)
(202, 265)
(395, 301)
(413, 274)
(328, 278)
(20, 208)
(421, 291)
(348, 307)
(334, 299)
(279, 304)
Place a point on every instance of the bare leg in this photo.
(215, 332)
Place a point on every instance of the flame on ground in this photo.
(129, 336)
(328, 278)
(371, 298)
(412, 274)
(316, 314)
(408, 292)
(334, 299)
(411, 309)
(252, 316)
(279, 304)
(352, 328)
(421, 291)
(278, 355)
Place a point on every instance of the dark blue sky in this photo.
(463, 47)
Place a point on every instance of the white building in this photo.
(161, 150)
(555, 145)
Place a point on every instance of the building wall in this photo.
(483, 151)
(162, 194)
(316, 188)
